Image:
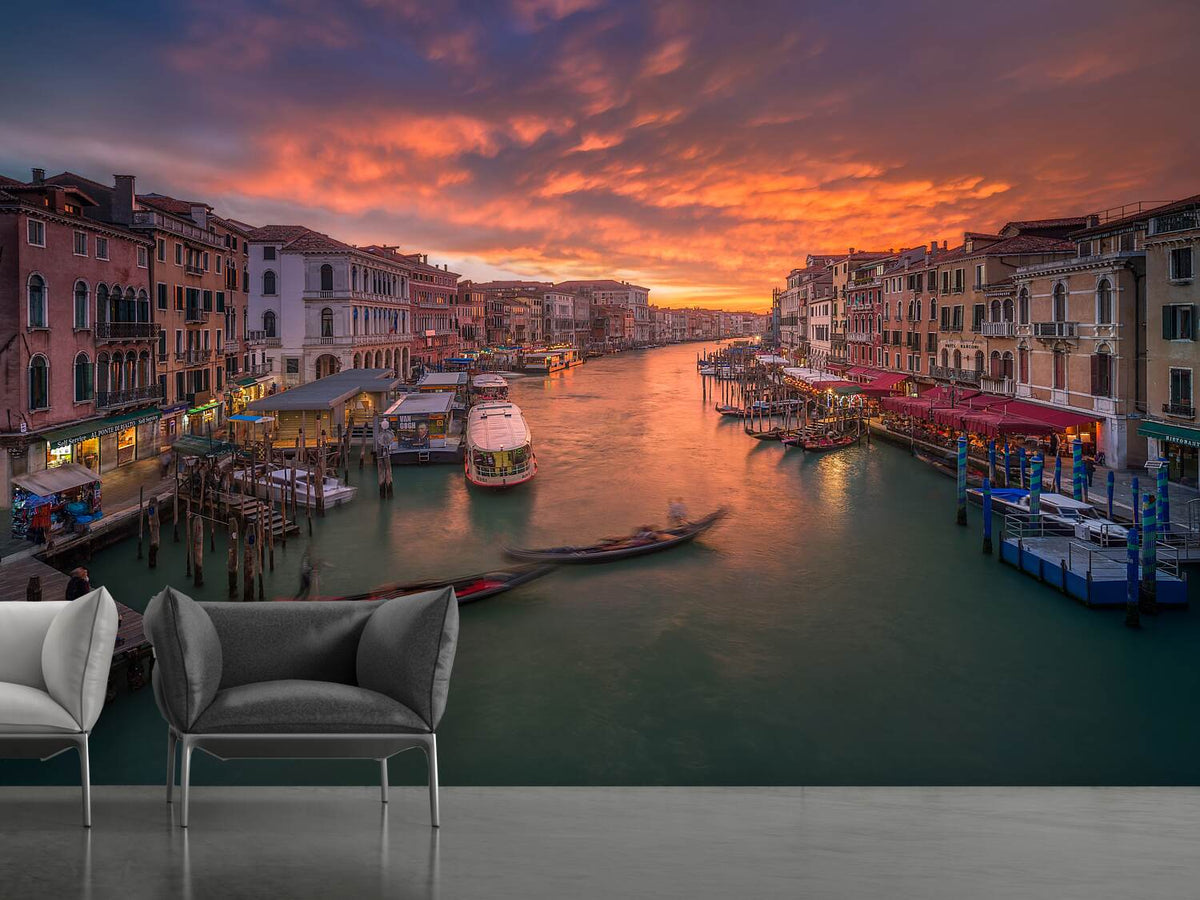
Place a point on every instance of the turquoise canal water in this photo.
(838, 628)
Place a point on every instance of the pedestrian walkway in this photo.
(1179, 495)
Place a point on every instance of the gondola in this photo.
(726, 410)
(624, 547)
(823, 444)
(770, 434)
(467, 589)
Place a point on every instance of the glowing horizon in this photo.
(694, 149)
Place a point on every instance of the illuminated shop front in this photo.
(104, 444)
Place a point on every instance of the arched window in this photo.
(103, 373)
(1023, 365)
(1007, 310)
(269, 283)
(101, 302)
(979, 361)
(39, 383)
(1104, 310)
(129, 311)
(327, 322)
(354, 280)
(1102, 372)
(117, 381)
(269, 323)
(143, 306)
(932, 309)
(1023, 306)
(995, 311)
(1060, 302)
(81, 304)
(1006, 364)
(1060, 370)
(945, 358)
(327, 277)
(996, 365)
(83, 378)
(957, 359)
(37, 304)
(357, 361)
(111, 313)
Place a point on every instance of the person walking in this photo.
(1089, 468)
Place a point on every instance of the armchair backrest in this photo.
(269, 641)
(23, 628)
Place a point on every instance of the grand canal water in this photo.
(838, 628)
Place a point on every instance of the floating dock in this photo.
(1095, 576)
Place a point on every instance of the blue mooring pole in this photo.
(1035, 486)
(1057, 474)
(1078, 477)
(1137, 500)
(1007, 465)
(992, 461)
(1149, 595)
(1021, 465)
(1132, 615)
(987, 515)
(1164, 502)
(961, 518)
(1112, 490)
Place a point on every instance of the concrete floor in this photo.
(605, 842)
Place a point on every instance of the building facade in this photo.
(78, 341)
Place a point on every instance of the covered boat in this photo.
(499, 446)
(467, 589)
(489, 386)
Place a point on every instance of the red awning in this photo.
(1060, 419)
(884, 383)
(858, 370)
(995, 424)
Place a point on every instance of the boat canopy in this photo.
(49, 482)
(428, 404)
(496, 427)
(442, 381)
(489, 379)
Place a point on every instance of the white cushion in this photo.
(23, 628)
(26, 709)
(77, 655)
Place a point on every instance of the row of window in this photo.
(119, 372)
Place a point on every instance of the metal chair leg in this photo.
(383, 780)
(431, 755)
(85, 777)
(172, 742)
(185, 782)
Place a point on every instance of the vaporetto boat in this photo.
(499, 446)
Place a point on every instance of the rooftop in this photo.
(328, 392)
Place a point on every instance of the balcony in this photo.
(1052, 330)
(997, 385)
(859, 337)
(193, 269)
(950, 327)
(263, 368)
(151, 393)
(961, 376)
(149, 218)
(1181, 220)
(1179, 410)
(193, 357)
(195, 315)
(262, 339)
(999, 329)
(126, 331)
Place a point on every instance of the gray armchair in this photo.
(338, 679)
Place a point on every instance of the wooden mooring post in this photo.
(231, 557)
(198, 548)
(141, 517)
(153, 527)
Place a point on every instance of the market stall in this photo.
(54, 501)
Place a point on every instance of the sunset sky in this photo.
(700, 149)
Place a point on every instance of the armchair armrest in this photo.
(188, 656)
(407, 649)
(77, 655)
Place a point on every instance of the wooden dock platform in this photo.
(131, 644)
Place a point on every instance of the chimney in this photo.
(851, 251)
(200, 215)
(933, 246)
(943, 245)
(122, 199)
(39, 175)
